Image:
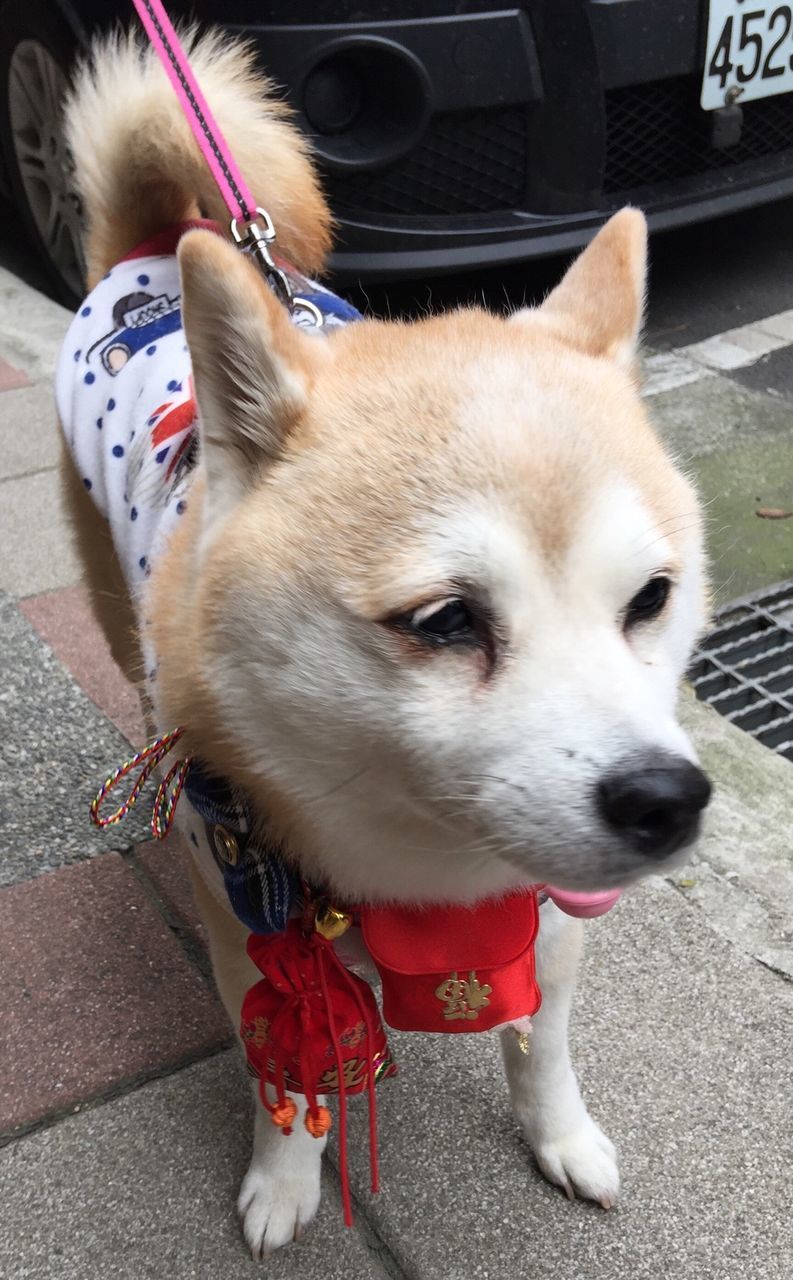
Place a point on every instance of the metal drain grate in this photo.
(744, 668)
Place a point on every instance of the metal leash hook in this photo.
(254, 236)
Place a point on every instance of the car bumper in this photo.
(518, 131)
(376, 252)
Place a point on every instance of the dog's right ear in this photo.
(598, 307)
(252, 367)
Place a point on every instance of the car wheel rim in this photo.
(36, 88)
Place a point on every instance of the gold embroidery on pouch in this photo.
(354, 1073)
(463, 999)
(257, 1032)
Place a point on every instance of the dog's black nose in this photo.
(654, 804)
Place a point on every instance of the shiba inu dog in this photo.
(423, 592)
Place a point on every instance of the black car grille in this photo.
(466, 162)
(658, 133)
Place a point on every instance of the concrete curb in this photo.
(741, 874)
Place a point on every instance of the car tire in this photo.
(37, 49)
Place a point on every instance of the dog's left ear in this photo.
(599, 305)
(252, 367)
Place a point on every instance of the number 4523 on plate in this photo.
(749, 52)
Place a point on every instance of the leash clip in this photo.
(254, 236)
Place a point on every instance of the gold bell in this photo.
(331, 923)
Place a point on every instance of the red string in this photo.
(374, 1167)
(343, 1172)
(307, 1067)
(279, 1074)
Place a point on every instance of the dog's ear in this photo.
(599, 305)
(252, 367)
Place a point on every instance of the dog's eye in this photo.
(648, 602)
(447, 622)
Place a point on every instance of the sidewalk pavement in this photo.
(123, 1107)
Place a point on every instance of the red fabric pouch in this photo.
(455, 969)
(289, 1018)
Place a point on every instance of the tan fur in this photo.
(598, 307)
(391, 395)
(139, 168)
(108, 590)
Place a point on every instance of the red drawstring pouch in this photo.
(312, 1027)
(455, 968)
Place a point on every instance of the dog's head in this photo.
(444, 585)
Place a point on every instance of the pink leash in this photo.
(231, 184)
(251, 226)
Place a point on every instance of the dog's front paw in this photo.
(582, 1162)
(278, 1200)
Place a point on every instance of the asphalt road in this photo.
(704, 279)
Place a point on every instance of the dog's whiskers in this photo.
(339, 786)
(667, 533)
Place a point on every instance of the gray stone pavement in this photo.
(682, 1026)
(145, 1187)
(54, 747)
(683, 1047)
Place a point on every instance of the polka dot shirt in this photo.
(125, 402)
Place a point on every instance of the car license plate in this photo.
(749, 52)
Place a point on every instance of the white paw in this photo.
(277, 1203)
(582, 1162)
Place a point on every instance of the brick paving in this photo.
(10, 378)
(103, 983)
(64, 619)
(165, 863)
(97, 991)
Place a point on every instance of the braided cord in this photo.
(168, 791)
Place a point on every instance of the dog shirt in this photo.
(124, 392)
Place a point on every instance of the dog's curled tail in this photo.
(139, 170)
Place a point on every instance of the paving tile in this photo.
(781, 325)
(38, 554)
(96, 990)
(714, 415)
(774, 374)
(10, 377)
(167, 864)
(55, 750)
(145, 1186)
(29, 439)
(32, 327)
(66, 621)
(748, 552)
(735, 348)
(683, 1048)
